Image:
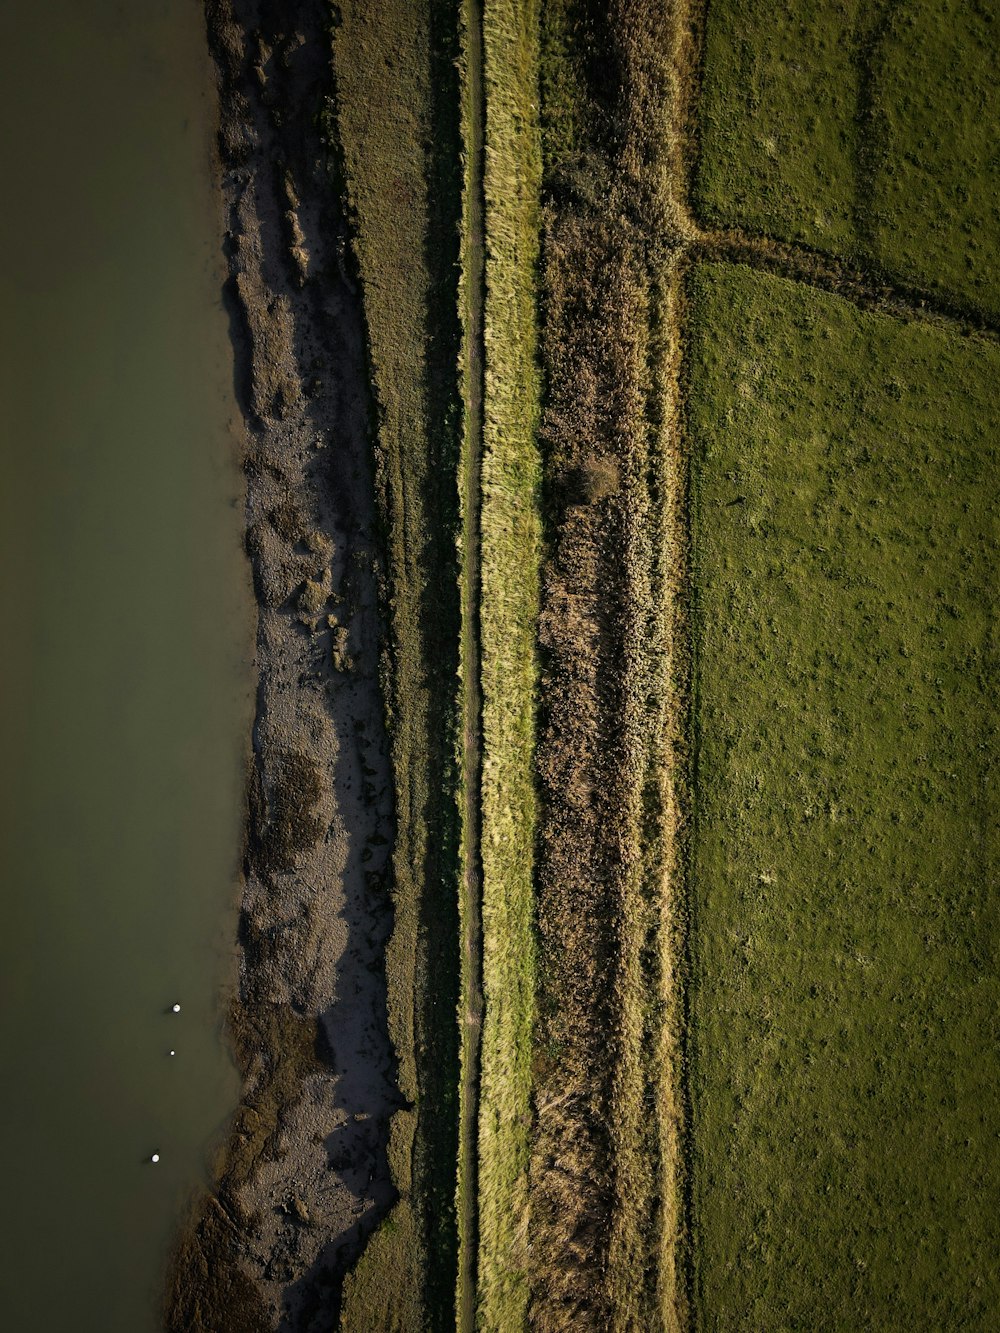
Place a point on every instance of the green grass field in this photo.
(776, 120)
(844, 1075)
(866, 131)
(935, 198)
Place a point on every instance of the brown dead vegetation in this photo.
(605, 1158)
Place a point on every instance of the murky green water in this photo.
(123, 650)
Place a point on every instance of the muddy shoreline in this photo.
(303, 1179)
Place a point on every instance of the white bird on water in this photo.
(175, 1008)
(155, 1157)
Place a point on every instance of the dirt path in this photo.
(473, 264)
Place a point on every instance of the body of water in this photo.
(124, 650)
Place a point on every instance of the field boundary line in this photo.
(813, 268)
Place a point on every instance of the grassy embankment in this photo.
(497, 465)
(605, 1158)
(471, 308)
(866, 131)
(510, 554)
(844, 1078)
(403, 180)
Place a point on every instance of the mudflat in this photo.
(304, 1177)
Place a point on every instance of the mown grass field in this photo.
(844, 1074)
(864, 130)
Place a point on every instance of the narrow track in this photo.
(470, 906)
(799, 263)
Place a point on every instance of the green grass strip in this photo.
(510, 552)
(471, 378)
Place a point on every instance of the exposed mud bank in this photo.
(303, 1178)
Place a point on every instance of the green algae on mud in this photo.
(843, 905)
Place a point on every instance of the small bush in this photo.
(596, 479)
